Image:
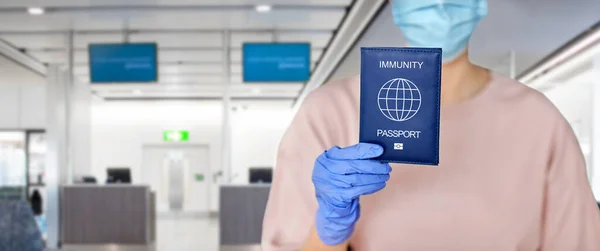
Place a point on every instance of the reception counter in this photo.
(242, 208)
(115, 214)
(241, 248)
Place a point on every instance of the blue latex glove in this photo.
(341, 176)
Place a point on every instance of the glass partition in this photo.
(13, 170)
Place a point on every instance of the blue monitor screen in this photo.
(276, 62)
(123, 63)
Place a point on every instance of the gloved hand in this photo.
(341, 176)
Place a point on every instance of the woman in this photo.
(511, 176)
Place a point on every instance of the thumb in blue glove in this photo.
(341, 176)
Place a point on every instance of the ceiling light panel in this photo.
(237, 80)
(188, 59)
(159, 95)
(191, 39)
(79, 3)
(236, 55)
(269, 88)
(58, 21)
(263, 8)
(202, 79)
(191, 69)
(316, 18)
(171, 69)
(155, 88)
(317, 40)
(36, 41)
(195, 18)
(239, 38)
(236, 68)
(181, 20)
(191, 56)
(187, 79)
(36, 11)
(165, 57)
(83, 40)
(95, 22)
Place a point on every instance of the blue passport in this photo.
(400, 103)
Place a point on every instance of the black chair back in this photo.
(18, 228)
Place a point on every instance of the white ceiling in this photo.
(531, 29)
(12, 73)
(190, 35)
(579, 69)
(86, 3)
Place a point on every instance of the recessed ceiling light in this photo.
(137, 92)
(263, 8)
(172, 87)
(36, 11)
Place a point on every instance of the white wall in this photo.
(56, 151)
(80, 129)
(22, 97)
(256, 134)
(32, 101)
(120, 129)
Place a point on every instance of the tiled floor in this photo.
(174, 233)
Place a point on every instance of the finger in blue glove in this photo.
(341, 176)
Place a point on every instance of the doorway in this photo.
(177, 174)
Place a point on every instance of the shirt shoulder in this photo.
(522, 101)
(335, 101)
(331, 93)
(334, 109)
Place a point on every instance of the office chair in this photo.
(18, 229)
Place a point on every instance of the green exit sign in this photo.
(176, 136)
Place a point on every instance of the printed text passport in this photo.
(400, 103)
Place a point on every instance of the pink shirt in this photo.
(511, 178)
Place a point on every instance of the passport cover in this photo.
(400, 103)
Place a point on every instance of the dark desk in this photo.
(241, 212)
(119, 214)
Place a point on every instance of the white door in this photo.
(174, 181)
(177, 173)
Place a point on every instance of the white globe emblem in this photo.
(399, 99)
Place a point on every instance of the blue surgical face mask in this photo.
(446, 24)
